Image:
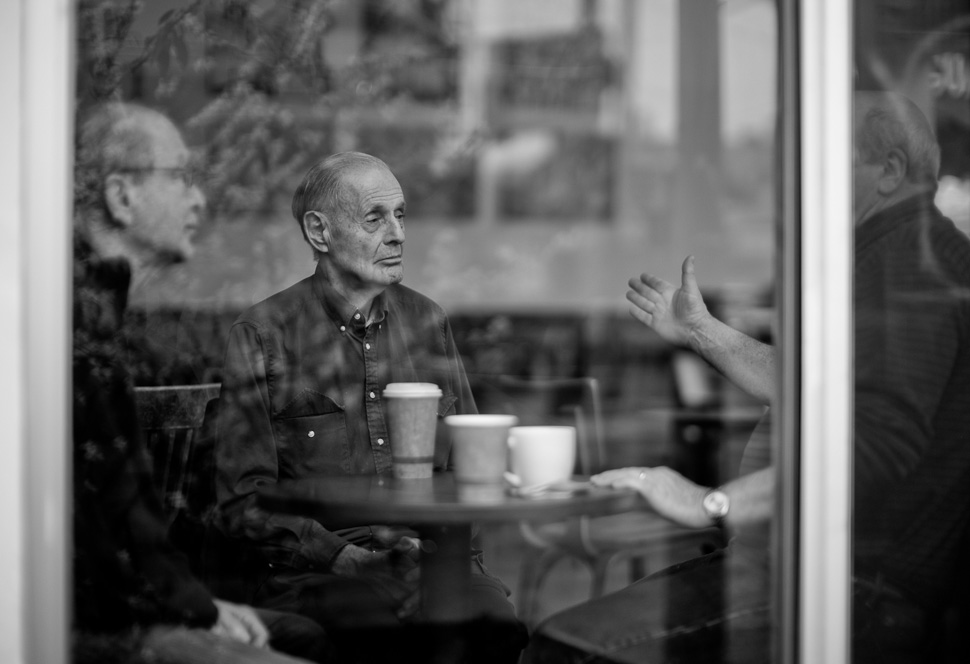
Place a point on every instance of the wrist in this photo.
(716, 504)
(702, 335)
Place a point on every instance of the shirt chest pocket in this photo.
(313, 443)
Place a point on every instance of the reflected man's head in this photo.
(895, 153)
(135, 188)
(351, 210)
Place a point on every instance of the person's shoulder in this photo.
(950, 242)
(279, 306)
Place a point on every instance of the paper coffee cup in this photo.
(542, 454)
(412, 418)
(480, 447)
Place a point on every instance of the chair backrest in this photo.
(569, 401)
(171, 419)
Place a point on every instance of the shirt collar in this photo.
(885, 221)
(340, 310)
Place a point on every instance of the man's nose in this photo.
(197, 196)
(395, 231)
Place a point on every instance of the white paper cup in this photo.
(480, 447)
(542, 454)
(412, 418)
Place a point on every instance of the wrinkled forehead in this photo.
(364, 184)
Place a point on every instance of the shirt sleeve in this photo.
(126, 569)
(246, 459)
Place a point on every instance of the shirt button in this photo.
(356, 316)
(380, 441)
(310, 434)
(373, 396)
(343, 328)
(367, 346)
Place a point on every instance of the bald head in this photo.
(116, 137)
(895, 154)
(135, 190)
(886, 121)
(325, 185)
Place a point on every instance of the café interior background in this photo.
(548, 149)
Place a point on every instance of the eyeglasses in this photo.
(191, 176)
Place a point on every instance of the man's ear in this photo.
(316, 226)
(117, 196)
(894, 170)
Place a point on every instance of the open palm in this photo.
(674, 313)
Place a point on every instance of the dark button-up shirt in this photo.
(303, 396)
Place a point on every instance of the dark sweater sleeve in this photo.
(907, 340)
(126, 569)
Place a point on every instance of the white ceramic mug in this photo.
(542, 454)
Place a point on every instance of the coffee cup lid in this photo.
(412, 390)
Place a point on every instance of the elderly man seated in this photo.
(302, 396)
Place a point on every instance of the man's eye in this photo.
(399, 215)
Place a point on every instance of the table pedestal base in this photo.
(445, 572)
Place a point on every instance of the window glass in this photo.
(537, 155)
(911, 272)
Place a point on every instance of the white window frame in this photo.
(825, 388)
(36, 173)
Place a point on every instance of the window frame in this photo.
(814, 266)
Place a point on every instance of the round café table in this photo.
(441, 512)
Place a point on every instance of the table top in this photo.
(357, 499)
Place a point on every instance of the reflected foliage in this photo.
(259, 84)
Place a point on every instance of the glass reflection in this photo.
(544, 152)
(912, 272)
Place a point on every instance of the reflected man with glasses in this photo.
(911, 482)
(136, 209)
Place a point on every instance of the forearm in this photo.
(746, 362)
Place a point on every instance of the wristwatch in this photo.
(716, 505)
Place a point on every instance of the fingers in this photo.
(228, 625)
(391, 536)
(409, 606)
(258, 634)
(641, 301)
(642, 316)
(687, 276)
(649, 286)
(613, 477)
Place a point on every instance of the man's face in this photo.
(366, 239)
(166, 205)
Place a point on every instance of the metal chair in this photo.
(594, 541)
(171, 419)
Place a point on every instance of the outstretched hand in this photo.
(672, 495)
(674, 313)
